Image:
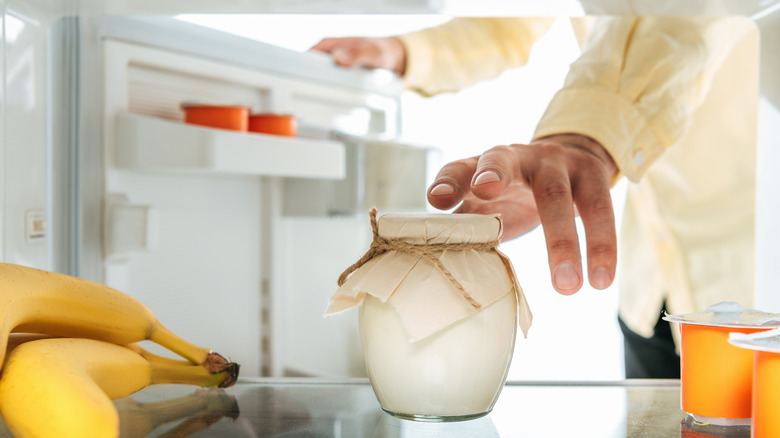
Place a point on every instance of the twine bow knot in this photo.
(380, 245)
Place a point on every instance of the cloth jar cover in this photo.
(425, 299)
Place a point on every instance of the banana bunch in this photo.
(69, 347)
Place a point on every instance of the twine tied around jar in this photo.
(381, 245)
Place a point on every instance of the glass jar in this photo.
(439, 308)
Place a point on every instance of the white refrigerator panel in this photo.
(315, 253)
(202, 277)
(25, 195)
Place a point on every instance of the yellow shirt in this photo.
(674, 101)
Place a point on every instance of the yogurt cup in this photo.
(765, 348)
(230, 117)
(274, 124)
(716, 377)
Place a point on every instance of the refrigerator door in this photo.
(220, 264)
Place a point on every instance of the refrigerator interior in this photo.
(196, 222)
(232, 239)
(230, 210)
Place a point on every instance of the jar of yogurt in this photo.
(439, 308)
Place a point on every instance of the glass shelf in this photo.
(348, 408)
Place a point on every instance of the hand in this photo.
(387, 53)
(546, 182)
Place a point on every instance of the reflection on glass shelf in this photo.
(348, 408)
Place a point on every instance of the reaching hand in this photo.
(387, 53)
(546, 182)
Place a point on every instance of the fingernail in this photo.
(486, 177)
(442, 189)
(600, 278)
(566, 277)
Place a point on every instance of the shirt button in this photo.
(639, 158)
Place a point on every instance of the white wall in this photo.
(768, 208)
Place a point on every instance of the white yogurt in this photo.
(454, 374)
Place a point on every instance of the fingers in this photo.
(583, 181)
(594, 202)
(387, 53)
(485, 177)
(351, 51)
(552, 190)
(327, 44)
(452, 184)
(541, 183)
(495, 170)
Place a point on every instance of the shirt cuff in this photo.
(419, 61)
(609, 119)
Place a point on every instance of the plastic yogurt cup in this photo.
(765, 348)
(716, 376)
(275, 124)
(230, 117)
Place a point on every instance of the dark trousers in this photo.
(650, 358)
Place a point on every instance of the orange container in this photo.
(766, 395)
(276, 124)
(765, 350)
(716, 377)
(232, 117)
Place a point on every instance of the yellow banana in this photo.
(37, 301)
(63, 387)
(17, 339)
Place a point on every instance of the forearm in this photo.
(638, 82)
(465, 51)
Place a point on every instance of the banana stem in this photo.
(184, 348)
(193, 375)
(156, 358)
(185, 374)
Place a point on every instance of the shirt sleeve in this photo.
(638, 81)
(465, 51)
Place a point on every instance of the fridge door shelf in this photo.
(151, 144)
